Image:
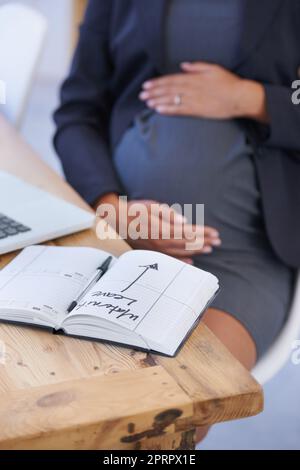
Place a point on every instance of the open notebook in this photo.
(145, 300)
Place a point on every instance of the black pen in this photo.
(98, 274)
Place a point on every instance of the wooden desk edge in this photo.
(87, 413)
(82, 414)
(79, 414)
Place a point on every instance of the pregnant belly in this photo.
(182, 160)
(195, 161)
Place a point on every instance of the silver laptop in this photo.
(29, 215)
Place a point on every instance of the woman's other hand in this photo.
(207, 91)
(166, 220)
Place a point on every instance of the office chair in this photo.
(281, 350)
(22, 34)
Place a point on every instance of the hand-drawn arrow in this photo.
(149, 266)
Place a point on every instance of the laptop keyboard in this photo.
(10, 227)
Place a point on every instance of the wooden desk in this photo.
(63, 393)
(78, 7)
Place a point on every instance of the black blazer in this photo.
(100, 99)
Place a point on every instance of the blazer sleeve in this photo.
(284, 127)
(82, 136)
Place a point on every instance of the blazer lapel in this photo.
(259, 14)
(151, 16)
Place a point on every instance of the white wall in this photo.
(56, 57)
(38, 126)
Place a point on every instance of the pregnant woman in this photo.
(189, 102)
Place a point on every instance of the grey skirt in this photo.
(189, 161)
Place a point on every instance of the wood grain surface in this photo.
(59, 392)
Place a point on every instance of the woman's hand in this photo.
(208, 91)
(166, 221)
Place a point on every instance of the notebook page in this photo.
(45, 279)
(145, 292)
(170, 320)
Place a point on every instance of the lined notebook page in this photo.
(149, 293)
(46, 279)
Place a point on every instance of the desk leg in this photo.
(177, 441)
